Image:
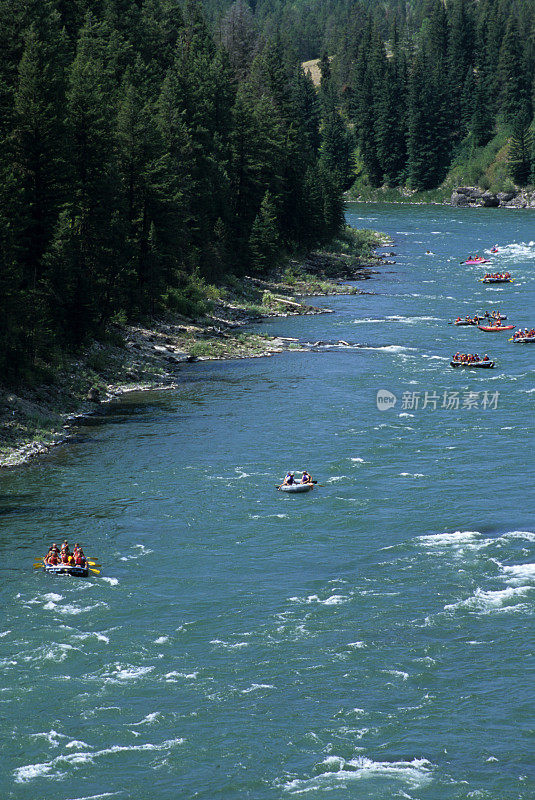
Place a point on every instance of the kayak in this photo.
(473, 364)
(477, 261)
(523, 339)
(496, 280)
(296, 488)
(496, 327)
(67, 569)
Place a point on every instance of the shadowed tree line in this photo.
(143, 152)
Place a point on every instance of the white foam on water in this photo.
(255, 687)
(161, 640)
(58, 652)
(356, 645)
(268, 516)
(366, 320)
(488, 602)
(413, 320)
(73, 609)
(142, 551)
(411, 475)
(389, 348)
(413, 774)
(51, 736)
(129, 673)
(405, 414)
(148, 719)
(519, 250)
(397, 673)
(336, 478)
(518, 573)
(97, 796)
(527, 535)
(4, 633)
(229, 645)
(190, 676)
(449, 539)
(333, 600)
(358, 461)
(51, 597)
(111, 581)
(77, 743)
(31, 771)
(101, 637)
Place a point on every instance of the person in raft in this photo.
(306, 477)
(66, 555)
(52, 557)
(289, 479)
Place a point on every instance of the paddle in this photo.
(95, 571)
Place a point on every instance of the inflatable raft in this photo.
(296, 488)
(67, 569)
(476, 261)
(496, 327)
(496, 280)
(523, 339)
(473, 364)
(464, 322)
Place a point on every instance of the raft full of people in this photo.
(493, 316)
(63, 562)
(476, 260)
(497, 277)
(471, 360)
(523, 335)
(291, 485)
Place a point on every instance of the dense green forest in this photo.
(142, 154)
(148, 146)
(423, 84)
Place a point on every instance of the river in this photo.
(372, 639)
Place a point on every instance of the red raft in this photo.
(496, 327)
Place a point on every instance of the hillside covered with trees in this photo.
(142, 154)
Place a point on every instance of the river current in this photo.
(370, 640)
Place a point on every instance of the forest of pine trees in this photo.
(142, 153)
(149, 145)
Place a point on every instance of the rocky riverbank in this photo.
(472, 196)
(460, 197)
(140, 357)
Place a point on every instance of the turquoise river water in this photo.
(370, 640)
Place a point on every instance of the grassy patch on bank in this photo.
(485, 167)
